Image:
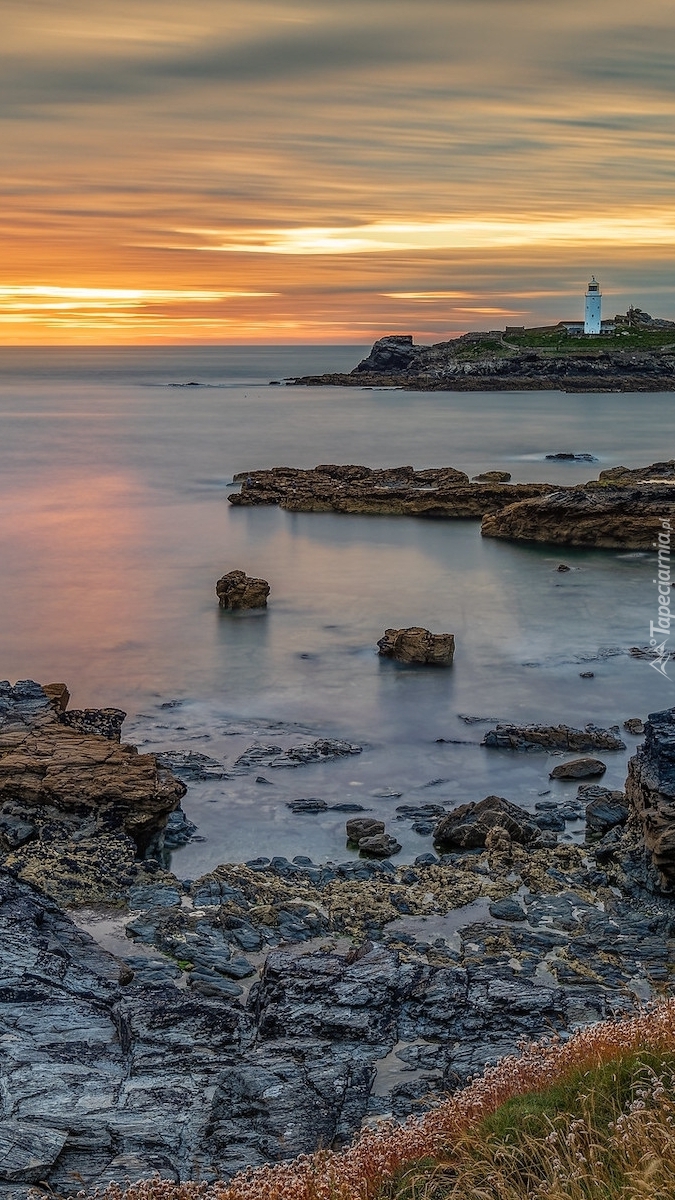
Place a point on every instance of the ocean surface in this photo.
(115, 525)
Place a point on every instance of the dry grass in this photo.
(616, 1143)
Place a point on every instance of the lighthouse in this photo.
(593, 314)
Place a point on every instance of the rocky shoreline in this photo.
(273, 1006)
(622, 509)
(486, 362)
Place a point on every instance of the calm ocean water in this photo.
(114, 527)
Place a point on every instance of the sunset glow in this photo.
(301, 171)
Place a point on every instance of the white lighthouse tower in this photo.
(593, 313)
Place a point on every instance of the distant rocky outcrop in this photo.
(418, 645)
(238, 590)
(441, 492)
(488, 362)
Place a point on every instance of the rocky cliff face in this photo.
(650, 789)
(486, 362)
(76, 807)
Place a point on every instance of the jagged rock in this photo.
(379, 845)
(492, 477)
(59, 695)
(634, 725)
(483, 361)
(603, 515)
(362, 827)
(650, 790)
(605, 812)
(44, 764)
(580, 768)
(552, 737)
(627, 476)
(417, 645)
(106, 722)
(238, 590)
(469, 825)
(563, 568)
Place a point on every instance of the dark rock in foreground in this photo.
(469, 825)
(417, 645)
(238, 590)
(650, 788)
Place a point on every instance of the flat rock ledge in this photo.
(418, 645)
(441, 492)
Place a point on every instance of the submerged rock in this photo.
(238, 590)
(418, 645)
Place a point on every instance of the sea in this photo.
(115, 471)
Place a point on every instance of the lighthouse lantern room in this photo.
(593, 314)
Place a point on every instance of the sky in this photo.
(330, 171)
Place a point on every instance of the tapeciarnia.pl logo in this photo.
(663, 581)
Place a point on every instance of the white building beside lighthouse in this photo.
(593, 312)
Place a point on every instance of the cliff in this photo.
(629, 362)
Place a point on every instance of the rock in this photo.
(493, 477)
(330, 487)
(417, 645)
(604, 812)
(569, 457)
(379, 845)
(59, 695)
(507, 909)
(322, 750)
(361, 827)
(563, 567)
(579, 768)
(106, 722)
(650, 790)
(178, 831)
(605, 515)
(634, 725)
(552, 737)
(191, 765)
(587, 674)
(469, 825)
(237, 590)
(53, 772)
(28, 1150)
(313, 805)
(480, 361)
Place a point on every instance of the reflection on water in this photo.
(115, 527)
